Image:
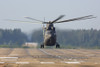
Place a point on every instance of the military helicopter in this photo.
(49, 32)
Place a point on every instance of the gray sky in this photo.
(50, 9)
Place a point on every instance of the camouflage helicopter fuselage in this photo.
(50, 35)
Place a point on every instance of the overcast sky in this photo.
(50, 9)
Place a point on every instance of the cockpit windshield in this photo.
(48, 32)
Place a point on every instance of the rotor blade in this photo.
(22, 21)
(79, 18)
(33, 19)
(61, 16)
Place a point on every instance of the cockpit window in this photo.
(48, 32)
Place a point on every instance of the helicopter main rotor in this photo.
(56, 20)
(61, 16)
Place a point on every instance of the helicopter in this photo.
(49, 32)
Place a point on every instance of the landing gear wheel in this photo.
(57, 45)
(42, 46)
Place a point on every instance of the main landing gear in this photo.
(42, 46)
(57, 45)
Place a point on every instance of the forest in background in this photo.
(69, 38)
(12, 38)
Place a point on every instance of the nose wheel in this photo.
(57, 45)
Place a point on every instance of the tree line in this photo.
(70, 38)
(10, 37)
(73, 38)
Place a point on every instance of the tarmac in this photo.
(31, 57)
